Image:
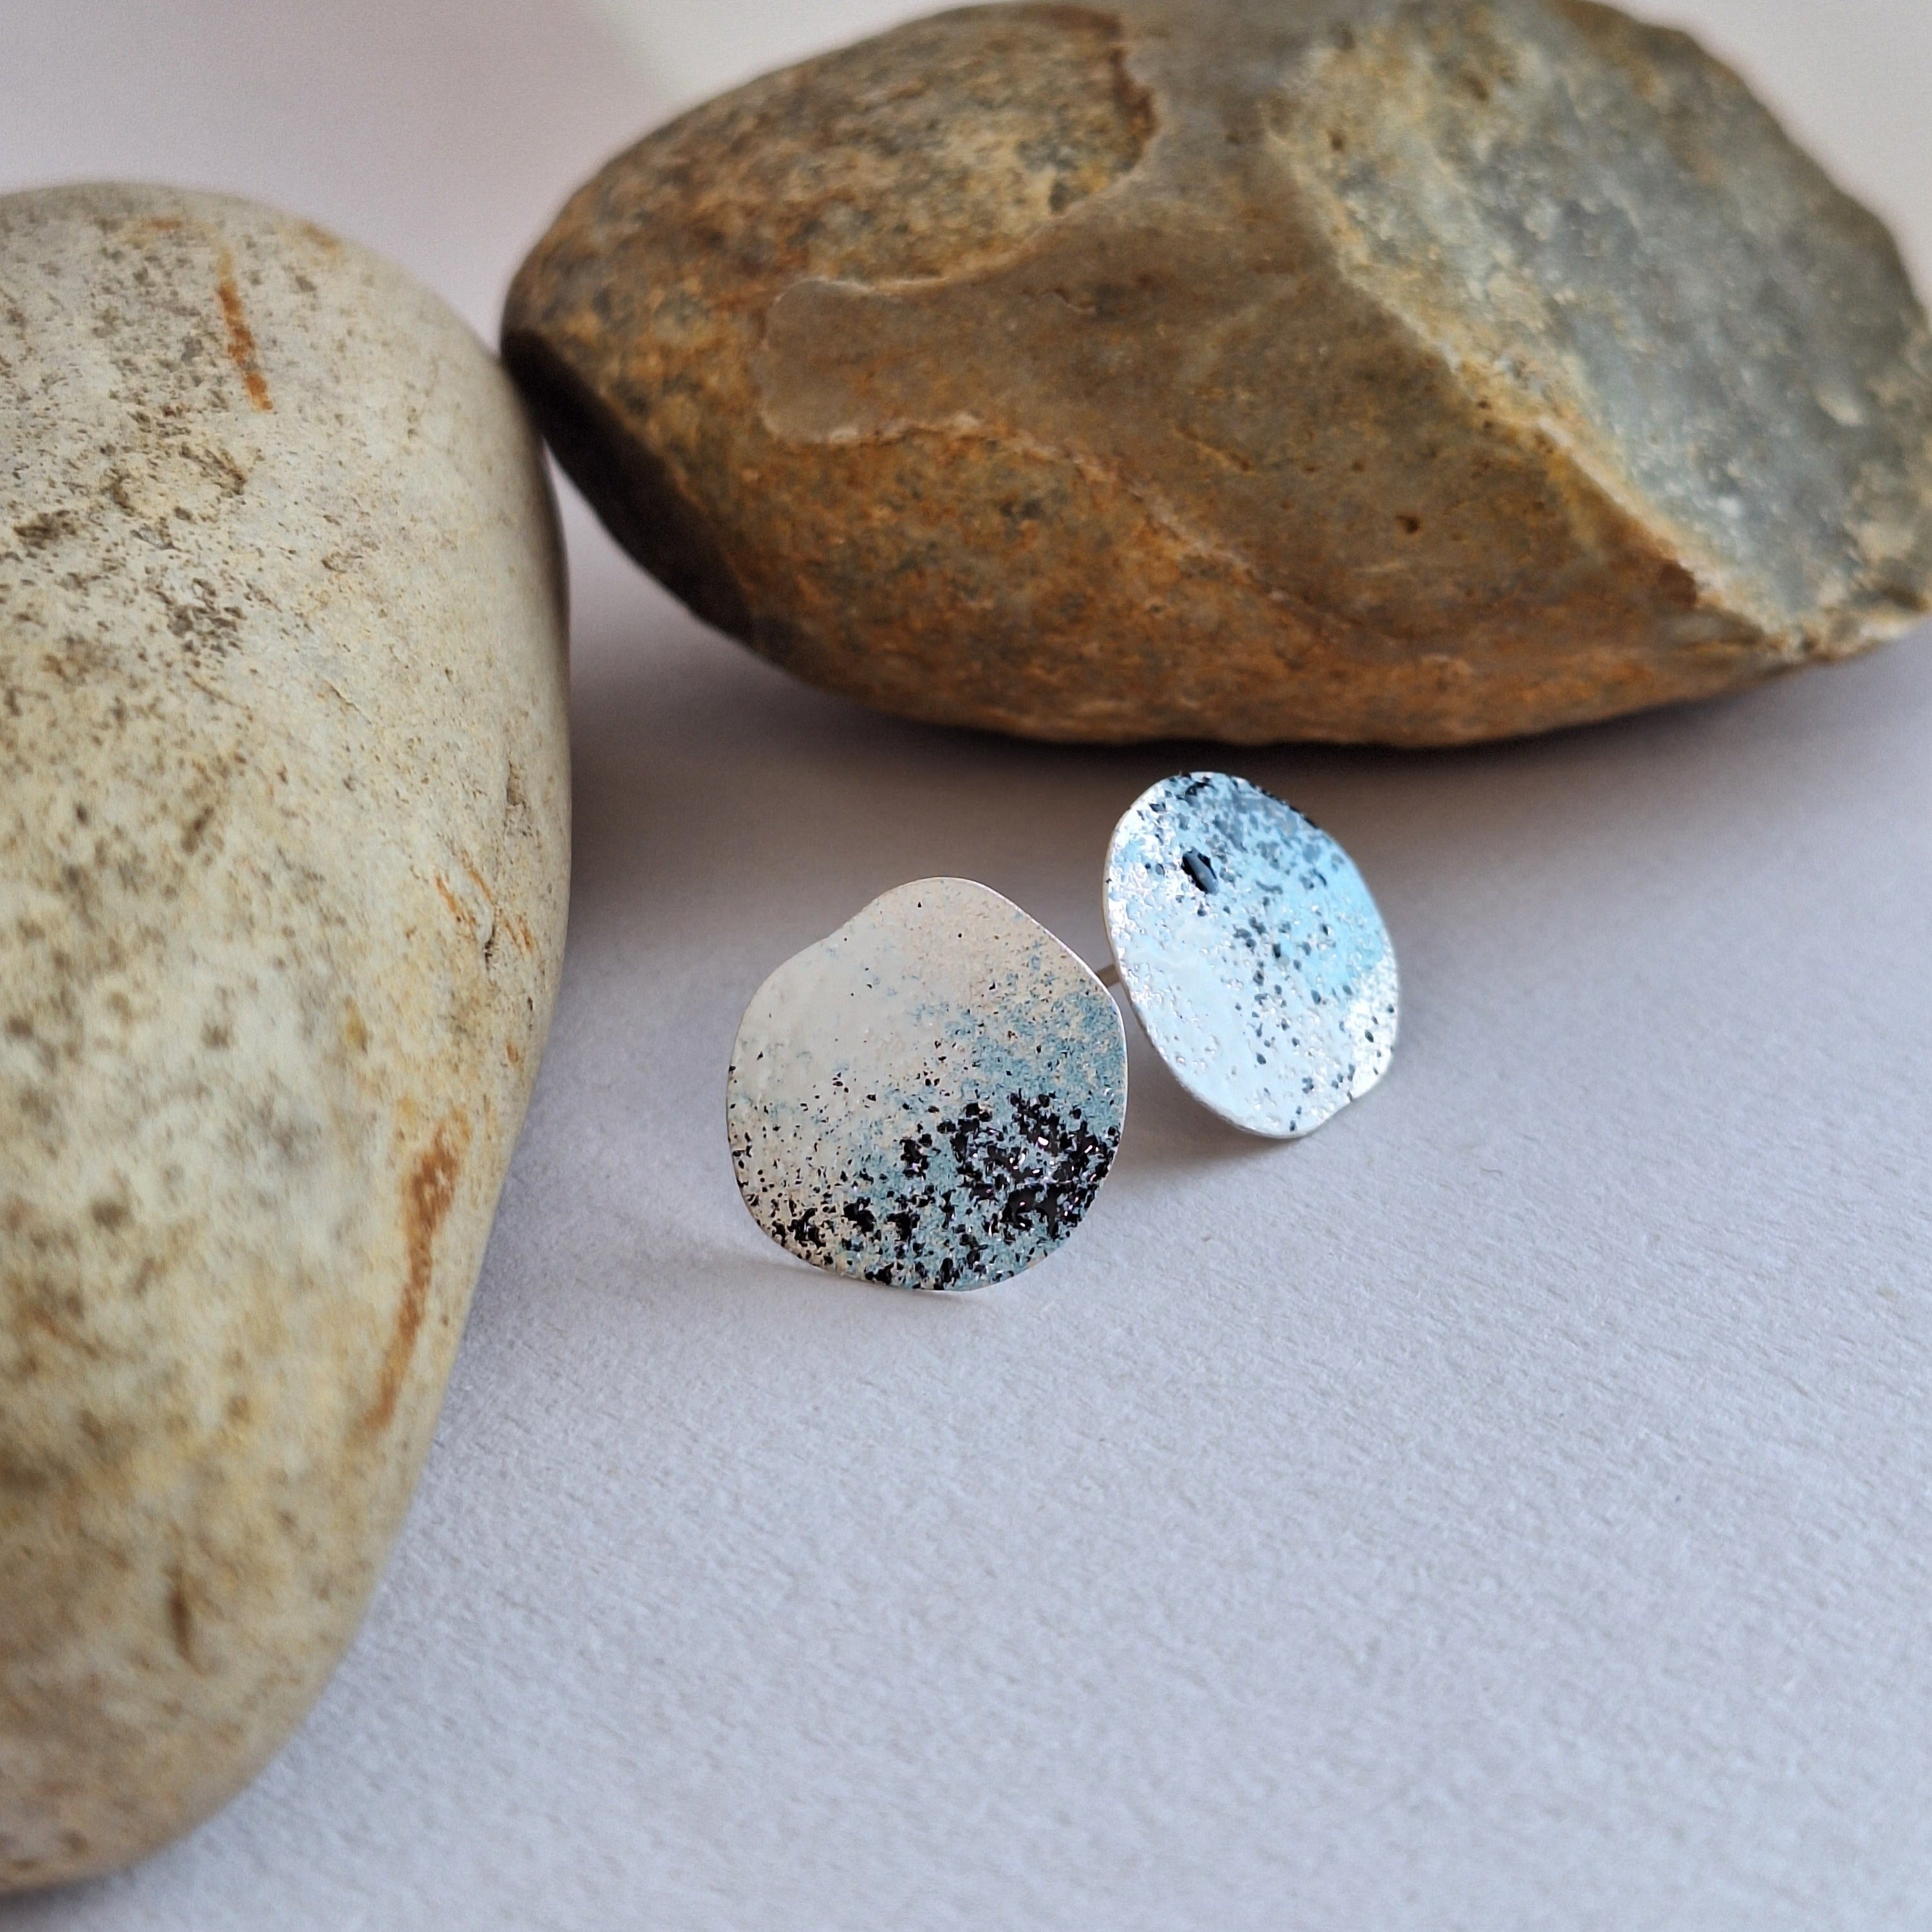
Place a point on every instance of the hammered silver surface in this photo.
(930, 1098)
(1252, 952)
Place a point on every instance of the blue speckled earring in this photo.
(1253, 955)
(932, 1096)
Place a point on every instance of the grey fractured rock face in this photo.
(283, 852)
(1412, 370)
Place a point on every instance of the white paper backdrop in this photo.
(1508, 1509)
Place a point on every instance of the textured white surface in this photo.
(1511, 1507)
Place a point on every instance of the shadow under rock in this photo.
(702, 770)
(728, 815)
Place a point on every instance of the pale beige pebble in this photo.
(284, 864)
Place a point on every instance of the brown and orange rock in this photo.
(1415, 371)
(283, 857)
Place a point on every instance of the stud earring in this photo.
(1252, 952)
(931, 1097)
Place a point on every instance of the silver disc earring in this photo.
(1254, 957)
(932, 1096)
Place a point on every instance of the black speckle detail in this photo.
(1022, 1176)
(1200, 868)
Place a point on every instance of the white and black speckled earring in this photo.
(932, 1096)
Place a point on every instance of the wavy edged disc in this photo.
(931, 1097)
(1252, 953)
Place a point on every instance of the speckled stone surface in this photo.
(930, 1098)
(283, 861)
(1416, 371)
(1252, 951)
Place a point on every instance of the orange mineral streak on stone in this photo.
(180, 1617)
(517, 928)
(428, 1193)
(242, 350)
(458, 910)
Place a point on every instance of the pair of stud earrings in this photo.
(932, 1097)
